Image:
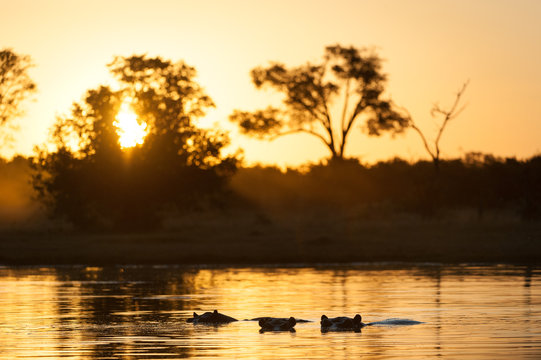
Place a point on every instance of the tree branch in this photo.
(329, 144)
(451, 114)
(327, 123)
(345, 131)
(425, 143)
(346, 99)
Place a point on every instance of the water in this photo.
(467, 312)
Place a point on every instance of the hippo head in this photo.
(291, 322)
(195, 317)
(357, 320)
(341, 323)
(277, 324)
(325, 322)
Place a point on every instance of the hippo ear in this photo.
(195, 315)
(357, 319)
(325, 321)
(291, 321)
(216, 311)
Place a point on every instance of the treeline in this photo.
(478, 183)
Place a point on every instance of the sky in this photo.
(430, 48)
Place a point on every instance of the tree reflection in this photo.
(109, 309)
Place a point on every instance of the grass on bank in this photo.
(256, 239)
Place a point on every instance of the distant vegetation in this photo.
(85, 177)
(478, 209)
(478, 184)
(478, 187)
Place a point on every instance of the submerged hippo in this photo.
(211, 318)
(277, 324)
(342, 323)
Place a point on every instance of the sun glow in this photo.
(130, 131)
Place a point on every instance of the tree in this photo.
(15, 84)
(309, 94)
(93, 182)
(433, 149)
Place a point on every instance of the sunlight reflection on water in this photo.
(468, 312)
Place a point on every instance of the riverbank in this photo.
(223, 242)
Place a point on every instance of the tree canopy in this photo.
(310, 93)
(15, 84)
(93, 182)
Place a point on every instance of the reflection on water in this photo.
(140, 312)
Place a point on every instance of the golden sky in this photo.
(430, 48)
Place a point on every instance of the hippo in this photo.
(277, 324)
(213, 318)
(342, 323)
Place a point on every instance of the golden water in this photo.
(468, 312)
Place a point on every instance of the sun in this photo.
(130, 131)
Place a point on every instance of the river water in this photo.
(140, 312)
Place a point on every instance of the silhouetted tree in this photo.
(15, 84)
(92, 181)
(433, 149)
(310, 91)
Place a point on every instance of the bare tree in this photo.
(433, 148)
